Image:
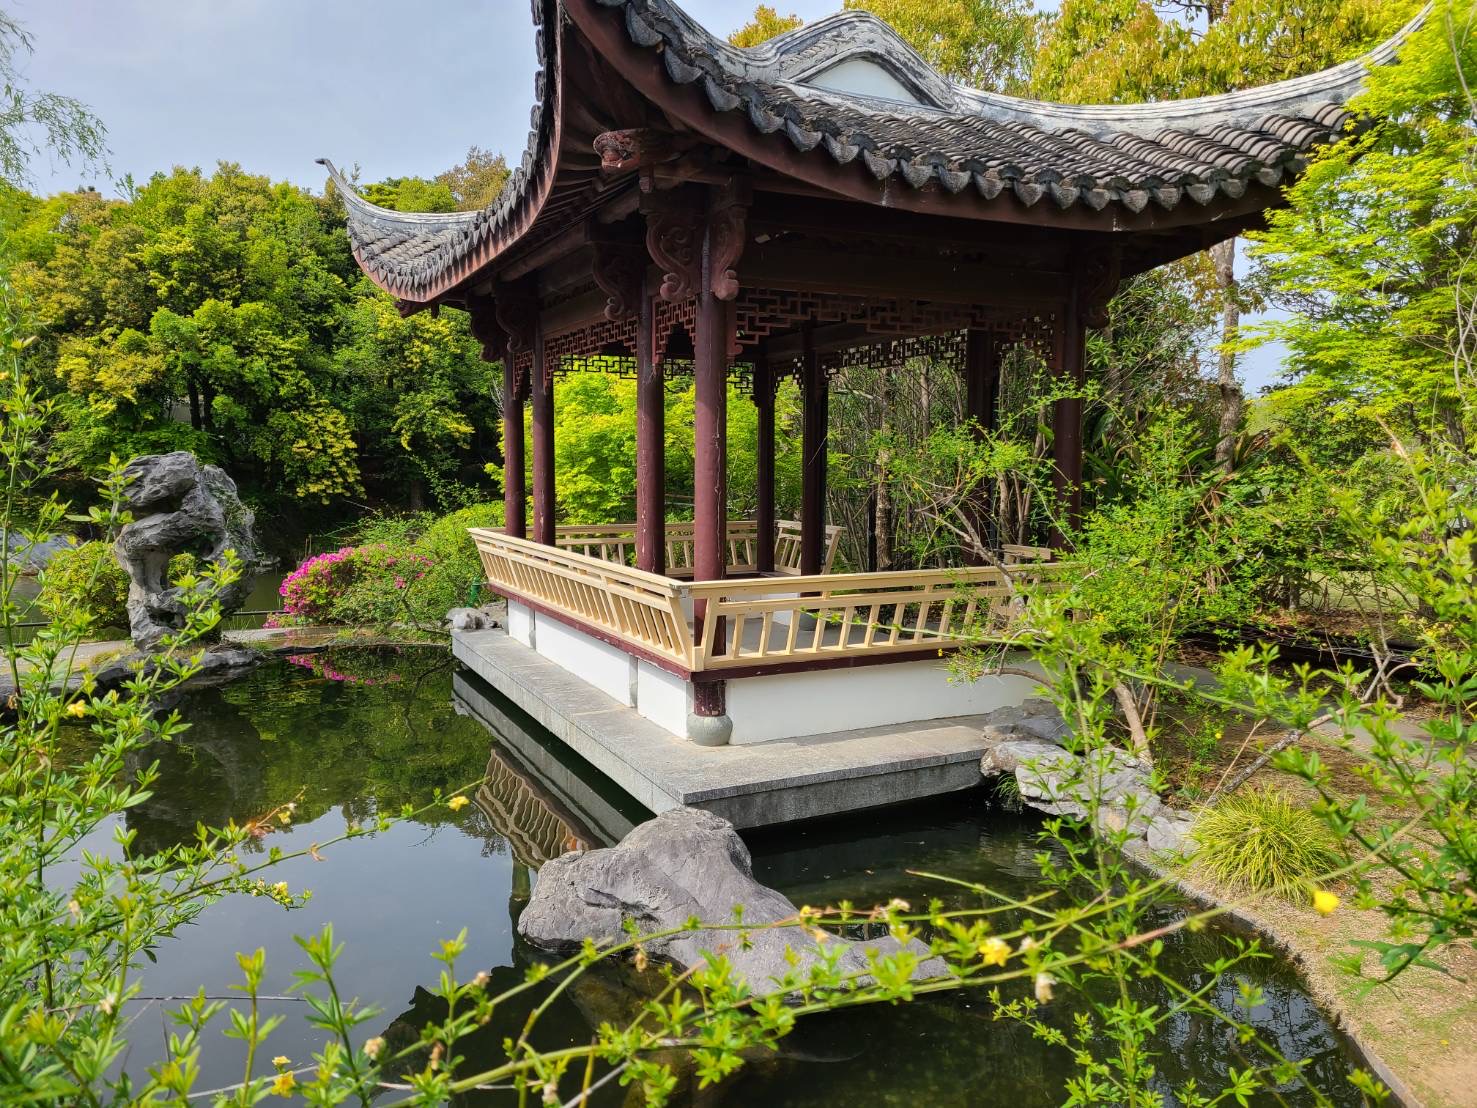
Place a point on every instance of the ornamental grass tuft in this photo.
(1261, 841)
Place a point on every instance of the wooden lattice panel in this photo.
(667, 316)
(565, 352)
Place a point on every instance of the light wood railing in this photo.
(765, 621)
(854, 615)
(616, 542)
(629, 604)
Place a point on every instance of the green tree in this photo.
(1123, 51)
(477, 181)
(1374, 258)
(765, 24)
(224, 314)
(410, 194)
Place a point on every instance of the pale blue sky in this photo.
(398, 88)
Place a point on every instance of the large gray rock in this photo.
(685, 864)
(1169, 832)
(32, 557)
(179, 506)
(1027, 743)
(1033, 719)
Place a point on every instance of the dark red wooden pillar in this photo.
(816, 419)
(651, 434)
(715, 334)
(982, 400)
(715, 337)
(515, 500)
(764, 391)
(543, 444)
(1071, 367)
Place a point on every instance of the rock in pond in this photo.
(178, 506)
(32, 557)
(685, 863)
(1027, 743)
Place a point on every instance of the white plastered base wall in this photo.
(779, 706)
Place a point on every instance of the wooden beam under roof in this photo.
(810, 269)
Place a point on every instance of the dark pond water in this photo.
(351, 733)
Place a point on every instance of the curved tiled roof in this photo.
(946, 137)
(414, 256)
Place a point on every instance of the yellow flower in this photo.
(77, 708)
(280, 888)
(457, 803)
(372, 1047)
(281, 1060)
(1324, 902)
(284, 1084)
(995, 952)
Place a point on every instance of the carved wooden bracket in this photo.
(727, 234)
(517, 315)
(618, 269)
(1098, 277)
(482, 314)
(674, 238)
(766, 382)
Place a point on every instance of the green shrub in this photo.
(1260, 840)
(408, 570)
(87, 577)
(455, 565)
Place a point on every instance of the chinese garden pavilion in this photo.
(823, 200)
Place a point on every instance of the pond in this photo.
(348, 734)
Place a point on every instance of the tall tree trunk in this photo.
(194, 402)
(1223, 257)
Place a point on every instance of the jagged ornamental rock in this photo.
(1035, 719)
(684, 864)
(1026, 742)
(1169, 832)
(178, 506)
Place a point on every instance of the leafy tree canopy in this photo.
(223, 314)
(1374, 256)
(1127, 51)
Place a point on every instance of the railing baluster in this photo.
(600, 588)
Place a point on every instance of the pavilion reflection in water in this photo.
(536, 795)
